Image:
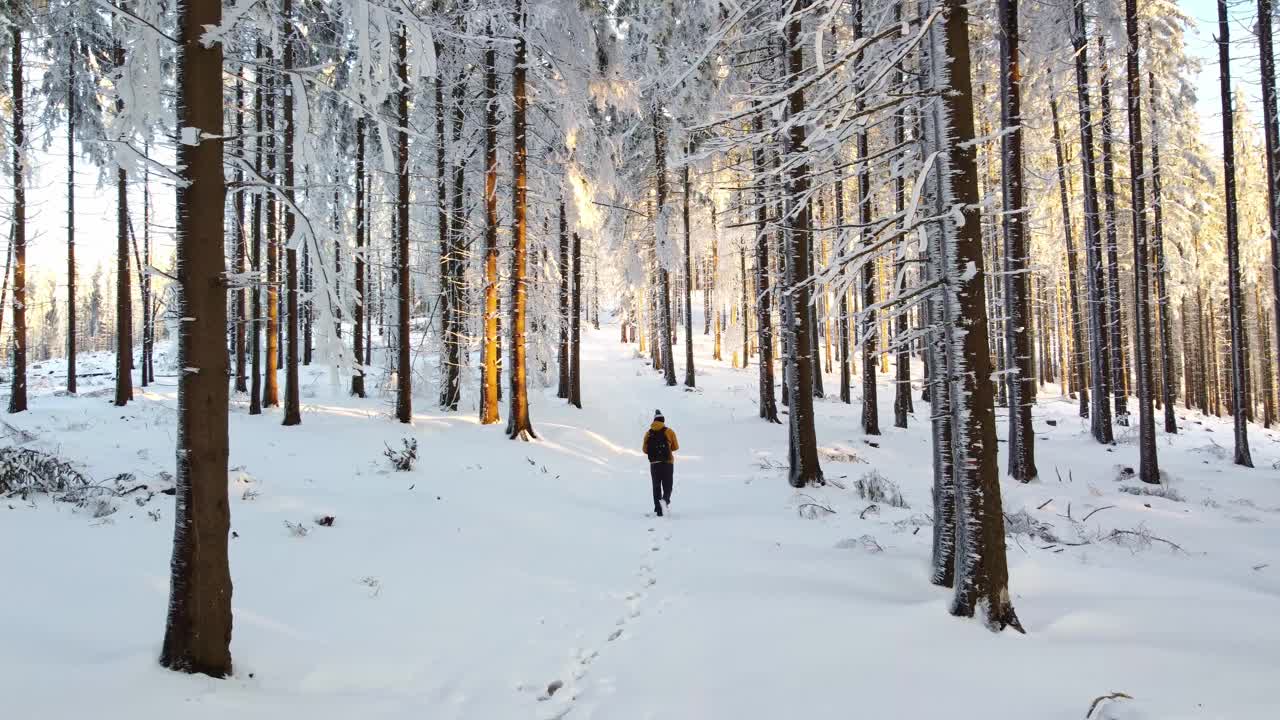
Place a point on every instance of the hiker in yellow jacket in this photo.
(659, 445)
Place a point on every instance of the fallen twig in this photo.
(1103, 698)
(1042, 505)
(1097, 510)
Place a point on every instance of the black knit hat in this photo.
(657, 416)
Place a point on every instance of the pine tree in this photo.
(981, 569)
(1149, 471)
(1022, 463)
(1235, 301)
(490, 379)
(518, 422)
(1271, 125)
(404, 362)
(197, 636)
(18, 394)
(292, 398)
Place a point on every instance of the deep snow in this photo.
(465, 588)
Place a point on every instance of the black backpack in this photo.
(658, 446)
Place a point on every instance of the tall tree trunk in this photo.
(1235, 301)
(442, 234)
(764, 311)
(271, 389)
(661, 239)
(292, 399)
(842, 322)
(1077, 329)
(688, 280)
(804, 467)
(240, 256)
(404, 362)
(255, 384)
(197, 636)
(124, 295)
(71, 217)
(1115, 328)
(361, 299)
(1099, 346)
(490, 379)
(575, 327)
(18, 393)
(1149, 471)
(518, 422)
(1271, 126)
(982, 573)
(455, 327)
(870, 405)
(562, 389)
(1168, 388)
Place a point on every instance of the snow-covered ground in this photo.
(497, 570)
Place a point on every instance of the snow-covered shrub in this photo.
(1161, 491)
(404, 458)
(1022, 523)
(24, 471)
(876, 488)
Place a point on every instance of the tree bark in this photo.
(689, 380)
(292, 399)
(804, 467)
(360, 300)
(575, 327)
(562, 389)
(1168, 388)
(255, 384)
(1100, 420)
(661, 239)
(197, 637)
(1235, 302)
(1115, 328)
(518, 422)
(870, 405)
(240, 256)
(404, 361)
(1149, 471)
(71, 217)
(490, 379)
(982, 574)
(271, 389)
(124, 296)
(1077, 357)
(18, 393)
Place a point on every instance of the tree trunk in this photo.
(1235, 301)
(1077, 357)
(271, 390)
(292, 400)
(804, 467)
(1115, 328)
(518, 422)
(1149, 471)
(764, 311)
(562, 390)
(575, 327)
(490, 379)
(689, 380)
(18, 393)
(404, 362)
(1168, 387)
(197, 637)
(360, 301)
(870, 406)
(982, 574)
(661, 239)
(124, 296)
(1271, 126)
(71, 219)
(1100, 420)
(455, 328)
(240, 257)
(255, 385)
(902, 364)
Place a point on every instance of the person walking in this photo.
(660, 445)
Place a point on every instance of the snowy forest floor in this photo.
(496, 571)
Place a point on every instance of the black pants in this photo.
(663, 475)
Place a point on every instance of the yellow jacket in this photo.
(671, 439)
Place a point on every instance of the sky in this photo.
(96, 206)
